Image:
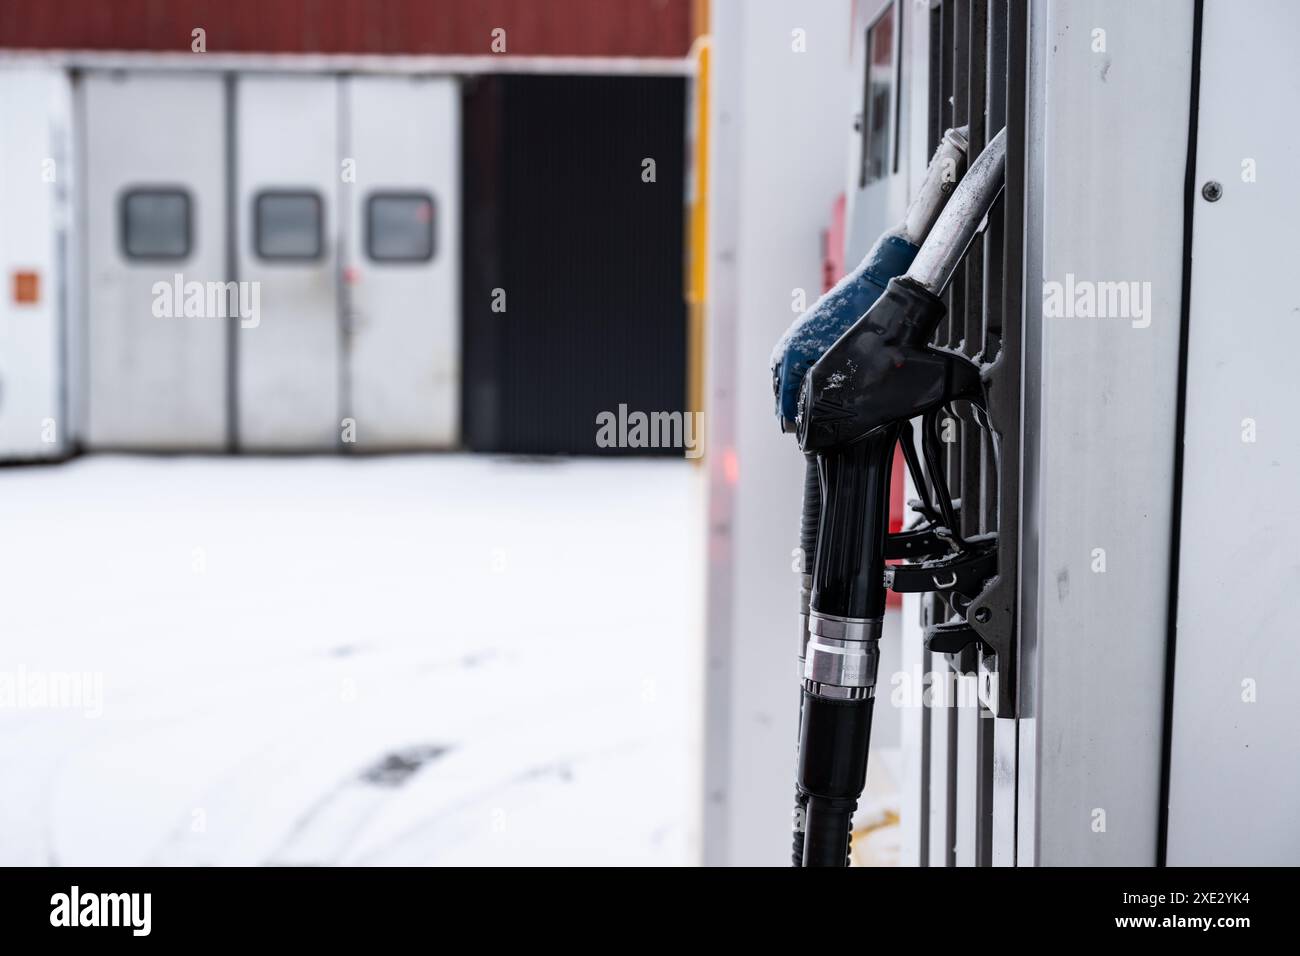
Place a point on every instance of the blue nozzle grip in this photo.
(830, 317)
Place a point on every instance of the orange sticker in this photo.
(27, 288)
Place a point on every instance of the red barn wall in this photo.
(641, 28)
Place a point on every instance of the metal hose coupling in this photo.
(842, 656)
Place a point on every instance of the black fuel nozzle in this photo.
(830, 316)
(882, 371)
(854, 403)
(846, 614)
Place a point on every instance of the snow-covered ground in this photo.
(394, 660)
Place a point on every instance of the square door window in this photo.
(287, 225)
(156, 224)
(399, 227)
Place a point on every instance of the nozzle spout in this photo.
(941, 178)
(961, 217)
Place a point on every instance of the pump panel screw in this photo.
(1212, 191)
(983, 615)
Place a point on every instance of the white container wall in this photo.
(403, 261)
(289, 173)
(155, 210)
(35, 178)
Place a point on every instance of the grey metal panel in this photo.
(1100, 426)
(403, 317)
(966, 786)
(763, 242)
(1003, 786)
(942, 808)
(914, 732)
(1009, 104)
(153, 382)
(289, 365)
(1235, 759)
(1022, 792)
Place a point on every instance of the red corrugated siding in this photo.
(533, 27)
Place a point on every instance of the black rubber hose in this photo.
(832, 773)
(829, 823)
(800, 824)
(812, 512)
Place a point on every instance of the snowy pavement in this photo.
(392, 660)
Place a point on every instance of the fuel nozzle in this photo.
(854, 402)
(882, 369)
(817, 329)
